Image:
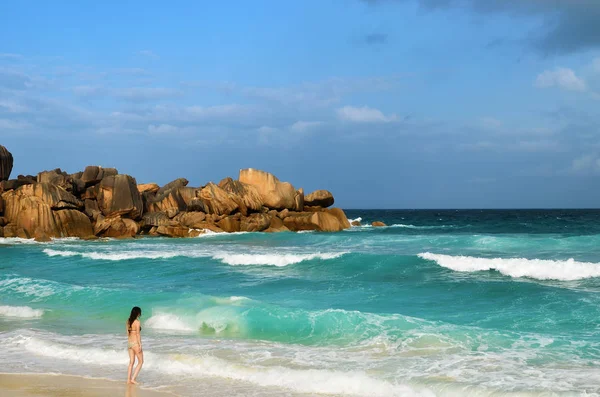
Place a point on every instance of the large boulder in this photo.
(94, 174)
(178, 231)
(148, 187)
(217, 201)
(6, 163)
(274, 193)
(319, 198)
(193, 220)
(13, 184)
(230, 224)
(323, 221)
(118, 195)
(115, 227)
(46, 210)
(55, 196)
(151, 219)
(276, 225)
(176, 184)
(248, 194)
(164, 201)
(256, 222)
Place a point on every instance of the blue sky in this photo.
(387, 103)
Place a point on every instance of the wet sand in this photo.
(30, 385)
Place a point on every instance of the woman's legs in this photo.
(140, 357)
(131, 361)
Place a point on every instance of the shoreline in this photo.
(58, 385)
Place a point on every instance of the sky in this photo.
(386, 103)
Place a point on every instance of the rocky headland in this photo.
(100, 202)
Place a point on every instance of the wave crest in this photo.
(279, 260)
(540, 269)
(20, 312)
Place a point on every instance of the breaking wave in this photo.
(540, 269)
(20, 312)
(279, 260)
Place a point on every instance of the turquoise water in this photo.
(440, 303)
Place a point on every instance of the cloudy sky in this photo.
(387, 103)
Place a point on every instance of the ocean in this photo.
(439, 303)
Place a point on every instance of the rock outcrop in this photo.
(100, 202)
(6, 163)
(274, 194)
(218, 201)
(378, 224)
(319, 198)
(44, 209)
(118, 196)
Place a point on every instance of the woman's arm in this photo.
(139, 334)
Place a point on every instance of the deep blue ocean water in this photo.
(460, 303)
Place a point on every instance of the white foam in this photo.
(20, 312)
(170, 322)
(541, 269)
(36, 288)
(16, 240)
(318, 381)
(279, 260)
(359, 219)
(116, 256)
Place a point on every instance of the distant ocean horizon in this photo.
(440, 302)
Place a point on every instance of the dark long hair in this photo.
(135, 313)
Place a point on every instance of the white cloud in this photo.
(585, 164)
(491, 123)
(364, 114)
(596, 65)
(303, 126)
(162, 129)
(563, 78)
(140, 94)
(12, 107)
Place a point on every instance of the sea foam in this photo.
(279, 260)
(540, 269)
(115, 256)
(314, 381)
(20, 312)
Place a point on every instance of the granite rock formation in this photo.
(100, 202)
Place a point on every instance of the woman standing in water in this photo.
(134, 343)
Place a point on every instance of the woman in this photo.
(134, 343)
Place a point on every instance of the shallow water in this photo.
(440, 303)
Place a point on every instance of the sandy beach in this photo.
(30, 385)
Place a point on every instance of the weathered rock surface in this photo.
(217, 201)
(118, 195)
(177, 183)
(178, 231)
(274, 193)
(248, 194)
(378, 224)
(230, 224)
(13, 184)
(256, 222)
(101, 202)
(6, 163)
(319, 198)
(116, 227)
(169, 199)
(323, 221)
(148, 187)
(46, 210)
(94, 174)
